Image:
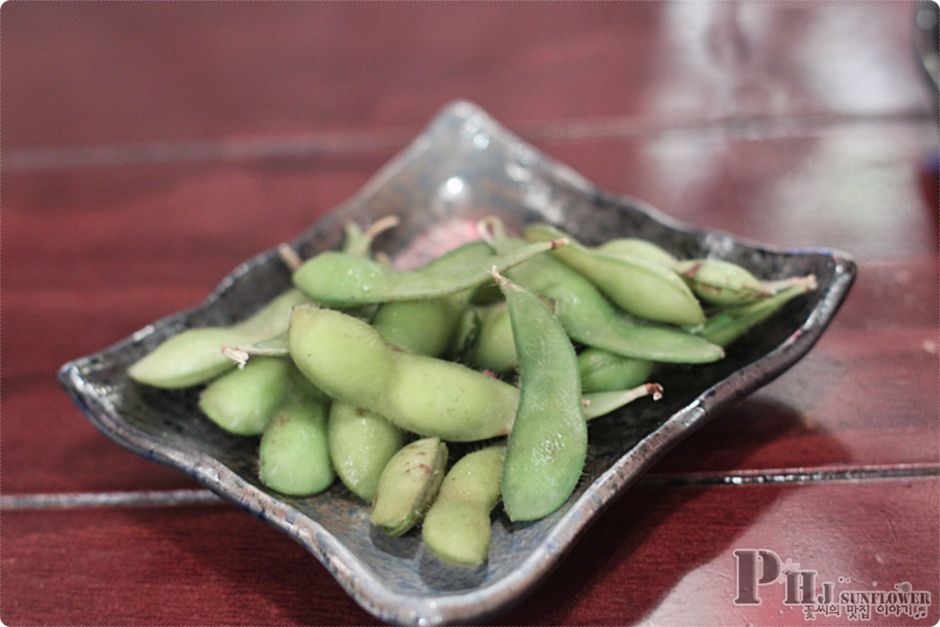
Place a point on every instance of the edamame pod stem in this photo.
(590, 319)
(726, 326)
(548, 443)
(340, 280)
(602, 371)
(195, 355)
(408, 485)
(294, 456)
(599, 404)
(358, 243)
(457, 528)
(350, 361)
(242, 401)
(361, 444)
(640, 287)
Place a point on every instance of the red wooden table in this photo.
(149, 147)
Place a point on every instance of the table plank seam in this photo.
(195, 496)
(753, 127)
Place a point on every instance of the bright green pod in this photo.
(361, 443)
(408, 485)
(602, 371)
(350, 361)
(638, 248)
(597, 404)
(547, 447)
(340, 280)
(721, 283)
(294, 456)
(726, 326)
(242, 401)
(494, 349)
(457, 528)
(195, 355)
(643, 288)
(590, 319)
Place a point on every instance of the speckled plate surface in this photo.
(463, 167)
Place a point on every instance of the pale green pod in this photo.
(721, 283)
(494, 349)
(361, 443)
(457, 528)
(340, 280)
(591, 319)
(350, 361)
(638, 248)
(243, 401)
(602, 371)
(728, 325)
(597, 404)
(422, 327)
(643, 288)
(195, 355)
(294, 456)
(547, 447)
(408, 485)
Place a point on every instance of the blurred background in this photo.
(148, 148)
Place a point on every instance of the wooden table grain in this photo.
(147, 148)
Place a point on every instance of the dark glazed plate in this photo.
(463, 167)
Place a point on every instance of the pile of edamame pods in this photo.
(366, 372)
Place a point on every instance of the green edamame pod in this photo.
(639, 287)
(294, 456)
(639, 248)
(195, 355)
(243, 401)
(340, 280)
(408, 485)
(726, 326)
(602, 371)
(548, 443)
(599, 404)
(361, 443)
(457, 528)
(590, 319)
(350, 361)
(494, 349)
(720, 282)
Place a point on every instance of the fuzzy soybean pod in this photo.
(720, 282)
(427, 327)
(639, 287)
(638, 248)
(457, 528)
(349, 360)
(195, 355)
(602, 371)
(590, 319)
(294, 456)
(408, 485)
(547, 447)
(242, 401)
(728, 325)
(361, 443)
(340, 280)
(494, 349)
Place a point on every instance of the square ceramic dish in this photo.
(462, 167)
